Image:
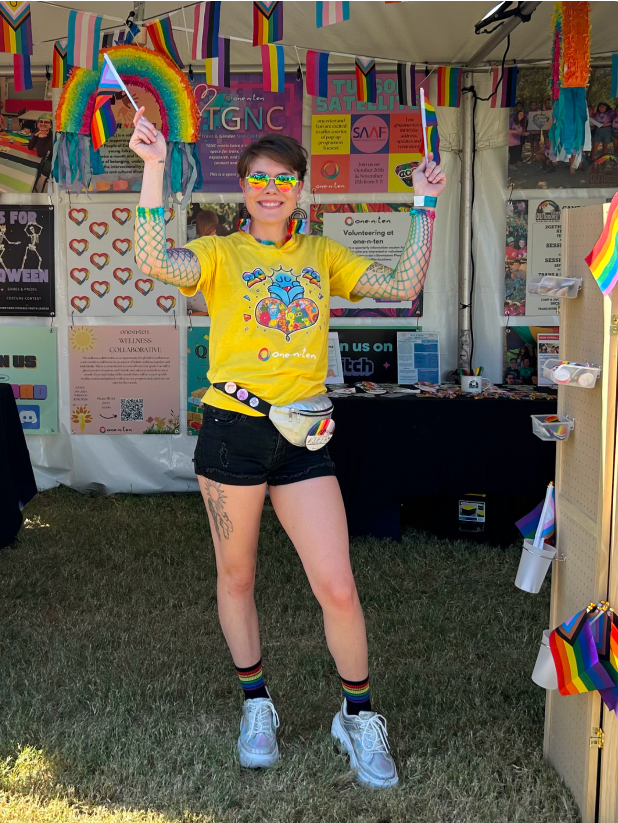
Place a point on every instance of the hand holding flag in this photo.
(103, 124)
(428, 178)
(146, 141)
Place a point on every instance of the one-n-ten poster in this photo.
(124, 380)
(27, 261)
(104, 279)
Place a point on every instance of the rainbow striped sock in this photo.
(252, 681)
(356, 695)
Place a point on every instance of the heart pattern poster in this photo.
(103, 277)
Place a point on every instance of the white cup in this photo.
(474, 383)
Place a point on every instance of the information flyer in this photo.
(364, 147)
(374, 230)
(27, 281)
(232, 118)
(124, 379)
(103, 277)
(418, 357)
(548, 348)
(28, 364)
(198, 347)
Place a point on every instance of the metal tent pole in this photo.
(465, 227)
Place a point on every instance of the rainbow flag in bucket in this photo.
(449, 86)
(603, 259)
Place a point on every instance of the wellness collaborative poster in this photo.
(28, 365)
(124, 380)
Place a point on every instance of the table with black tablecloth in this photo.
(17, 485)
(419, 455)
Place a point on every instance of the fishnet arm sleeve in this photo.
(178, 267)
(405, 281)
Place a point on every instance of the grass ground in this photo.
(119, 703)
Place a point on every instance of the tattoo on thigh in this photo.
(215, 501)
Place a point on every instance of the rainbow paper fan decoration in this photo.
(74, 160)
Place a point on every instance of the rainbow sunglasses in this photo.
(284, 182)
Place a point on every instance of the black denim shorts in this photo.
(241, 450)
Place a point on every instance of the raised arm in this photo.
(406, 280)
(178, 267)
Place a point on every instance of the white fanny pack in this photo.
(306, 422)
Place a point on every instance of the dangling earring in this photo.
(243, 224)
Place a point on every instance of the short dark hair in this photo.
(287, 150)
(206, 221)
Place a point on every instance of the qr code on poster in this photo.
(131, 411)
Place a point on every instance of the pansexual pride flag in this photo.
(449, 86)
(60, 71)
(603, 259)
(327, 13)
(218, 68)
(162, 39)
(267, 22)
(406, 84)
(83, 39)
(206, 30)
(21, 69)
(504, 98)
(103, 124)
(366, 80)
(317, 73)
(273, 67)
(15, 28)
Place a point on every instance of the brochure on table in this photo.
(418, 357)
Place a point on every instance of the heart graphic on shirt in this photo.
(80, 304)
(78, 246)
(121, 216)
(166, 303)
(301, 313)
(123, 275)
(170, 243)
(99, 260)
(144, 286)
(99, 229)
(79, 275)
(100, 287)
(169, 215)
(78, 216)
(123, 303)
(122, 246)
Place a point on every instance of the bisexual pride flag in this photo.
(22, 79)
(317, 73)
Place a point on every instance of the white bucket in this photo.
(533, 566)
(544, 673)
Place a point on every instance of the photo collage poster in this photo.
(525, 349)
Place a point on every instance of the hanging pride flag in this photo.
(614, 87)
(83, 39)
(267, 23)
(366, 80)
(449, 86)
(113, 38)
(603, 259)
(22, 79)
(218, 68)
(504, 98)
(162, 39)
(132, 32)
(328, 13)
(15, 28)
(273, 67)
(103, 124)
(406, 84)
(60, 70)
(206, 30)
(317, 73)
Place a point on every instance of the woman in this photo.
(268, 295)
(517, 126)
(602, 140)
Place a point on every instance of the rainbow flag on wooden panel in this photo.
(504, 98)
(576, 656)
(317, 73)
(267, 22)
(603, 259)
(449, 86)
(83, 41)
(162, 39)
(218, 68)
(22, 79)
(406, 84)
(327, 13)
(366, 80)
(15, 28)
(60, 71)
(103, 124)
(273, 67)
(206, 30)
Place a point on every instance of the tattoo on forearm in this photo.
(215, 501)
(178, 267)
(405, 281)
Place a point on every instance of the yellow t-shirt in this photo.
(270, 310)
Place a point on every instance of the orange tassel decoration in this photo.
(575, 45)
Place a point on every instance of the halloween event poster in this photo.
(27, 281)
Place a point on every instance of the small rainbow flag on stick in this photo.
(162, 39)
(60, 65)
(21, 68)
(317, 73)
(449, 86)
(429, 118)
(273, 67)
(267, 22)
(218, 68)
(103, 124)
(603, 259)
(206, 30)
(15, 28)
(327, 13)
(366, 91)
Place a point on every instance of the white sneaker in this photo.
(257, 744)
(365, 739)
